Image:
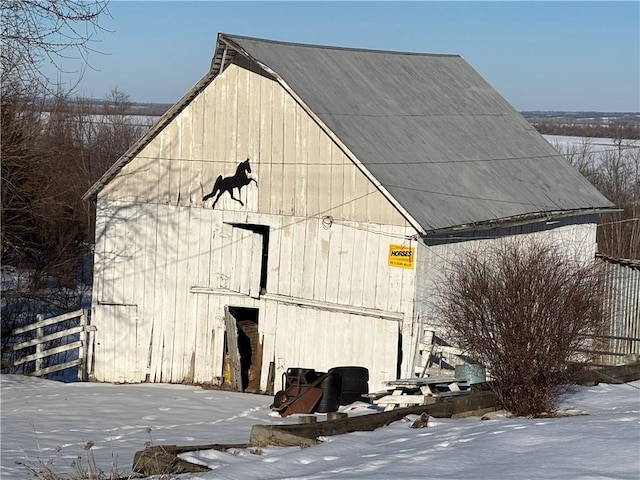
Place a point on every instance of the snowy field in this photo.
(50, 423)
(597, 145)
(62, 425)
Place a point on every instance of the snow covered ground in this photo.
(567, 140)
(50, 423)
(596, 145)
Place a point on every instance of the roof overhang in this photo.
(550, 218)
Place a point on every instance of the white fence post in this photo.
(39, 334)
(90, 347)
(82, 348)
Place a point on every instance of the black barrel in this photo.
(330, 386)
(354, 383)
(299, 376)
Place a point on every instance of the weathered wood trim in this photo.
(164, 460)
(47, 322)
(46, 338)
(46, 353)
(334, 307)
(618, 374)
(303, 302)
(305, 435)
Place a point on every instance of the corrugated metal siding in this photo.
(622, 302)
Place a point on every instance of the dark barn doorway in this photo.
(249, 348)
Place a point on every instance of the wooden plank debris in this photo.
(305, 435)
(164, 459)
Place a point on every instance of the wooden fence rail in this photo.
(84, 345)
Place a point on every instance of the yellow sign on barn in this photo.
(401, 256)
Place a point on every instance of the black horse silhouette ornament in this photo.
(227, 184)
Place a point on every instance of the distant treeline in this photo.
(575, 124)
(98, 107)
(586, 124)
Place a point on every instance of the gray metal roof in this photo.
(440, 140)
(442, 143)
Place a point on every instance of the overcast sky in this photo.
(547, 55)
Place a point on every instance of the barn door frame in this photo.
(250, 256)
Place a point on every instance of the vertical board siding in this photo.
(277, 177)
(242, 135)
(310, 263)
(148, 296)
(323, 276)
(333, 263)
(265, 142)
(303, 124)
(345, 271)
(300, 171)
(230, 77)
(200, 320)
(336, 340)
(176, 330)
(338, 166)
(289, 159)
(329, 234)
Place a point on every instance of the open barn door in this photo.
(244, 348)
(232, 354)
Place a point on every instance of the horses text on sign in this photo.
(227, 184)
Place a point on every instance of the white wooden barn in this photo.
(367, 171)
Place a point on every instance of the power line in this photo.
(409, 162)
(449, 194)
(619, 221)
(469, 197)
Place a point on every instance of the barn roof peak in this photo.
(242, 38)
(431, 134)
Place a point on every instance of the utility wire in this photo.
(409, 162)
(469, 197)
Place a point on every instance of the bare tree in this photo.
(52, 150)
(617, 176)
(116, 131)
(525, 311)
(35, 31)
(615, 172)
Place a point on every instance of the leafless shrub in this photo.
(528, 313)
(82, 467)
